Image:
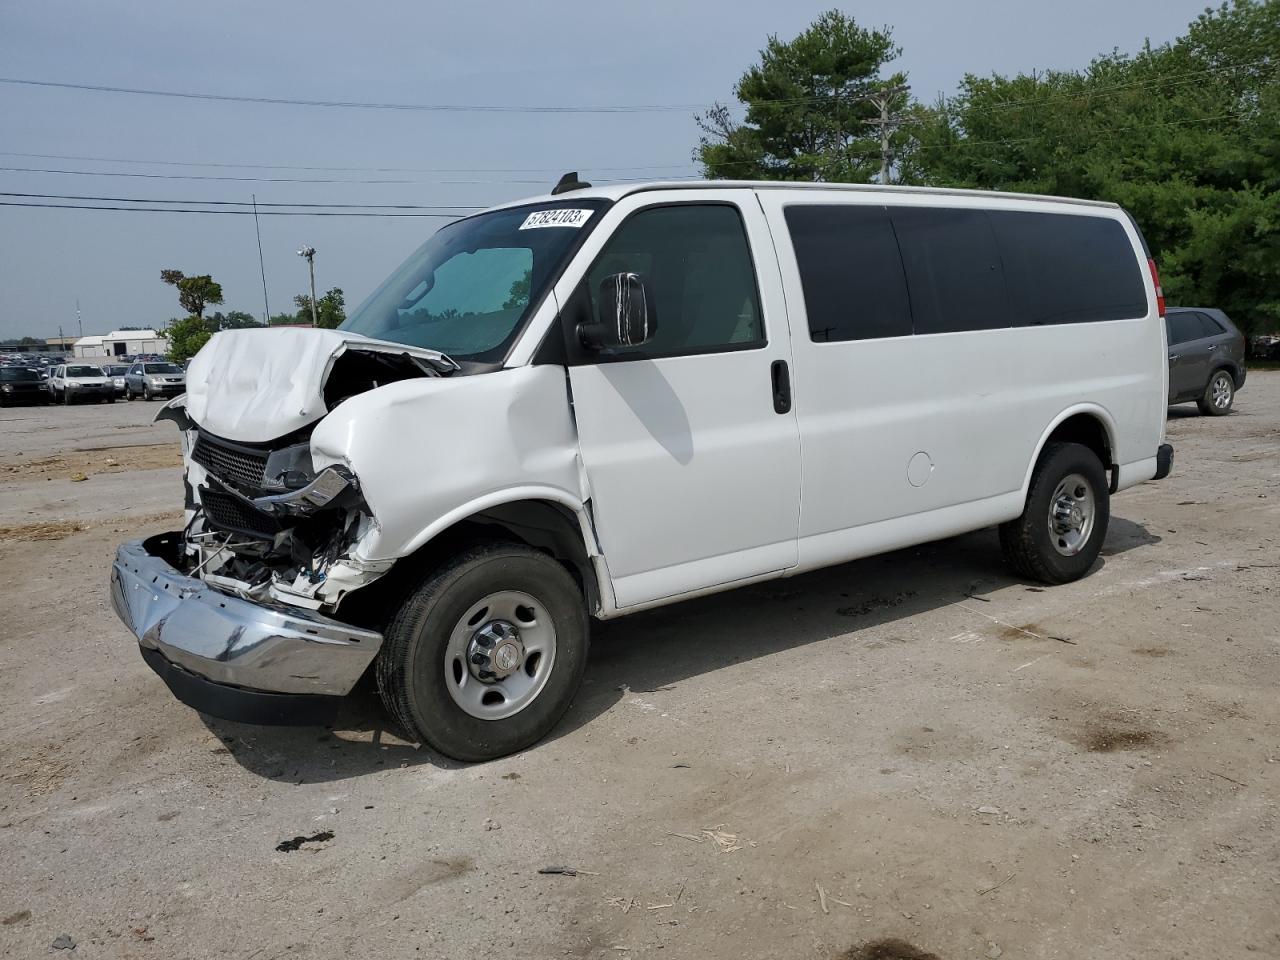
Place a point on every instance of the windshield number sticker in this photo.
(560, 217)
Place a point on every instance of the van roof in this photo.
(619, 190)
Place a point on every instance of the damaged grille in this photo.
(228, 512)
(242, 467)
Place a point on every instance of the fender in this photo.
(1095, 410)
(509, 495)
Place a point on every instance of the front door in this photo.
(690, 442)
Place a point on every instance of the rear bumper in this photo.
(229, 657)
(1164, 461)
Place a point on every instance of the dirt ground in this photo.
(911, 756)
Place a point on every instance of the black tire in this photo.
(111, 399)
(1223, 382)
(66, 399)
(411, 663)
(146, 391)
(1027, 543)
(128, 392)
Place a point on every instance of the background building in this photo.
(121, 343)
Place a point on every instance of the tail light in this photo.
(1155, 279)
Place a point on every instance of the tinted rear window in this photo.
(1184, 327)
(1068, 269)
(850, 271)
(1210, 325)
(953, 269)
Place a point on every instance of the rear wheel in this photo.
(1219, 395)
(1060, 533)
(484, 658)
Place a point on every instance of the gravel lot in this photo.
(914, 750)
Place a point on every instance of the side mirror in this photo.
(626, 315)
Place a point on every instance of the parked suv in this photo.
(80, 381)
(1206, 359)
(606, 400)
(116, 371)
(153, 378)
(21, 385)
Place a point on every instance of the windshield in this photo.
(161, 368)
(114, 371)
(468, 290)
(18, 373)
(84, 372)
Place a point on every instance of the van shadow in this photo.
(648, 651)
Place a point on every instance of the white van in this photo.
(605, 400)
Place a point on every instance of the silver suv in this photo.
(154, 378)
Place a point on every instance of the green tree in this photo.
(331, 309)
(286, 319)
(231, 320)
(186, 337)
(1186, 136)
(518, 295)
(194, 293)
(807, 112)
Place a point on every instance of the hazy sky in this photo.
(466, 52)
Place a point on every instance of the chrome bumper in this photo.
(229, 641)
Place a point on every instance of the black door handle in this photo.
(781, 379)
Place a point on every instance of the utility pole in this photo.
(883, 99)
(79, 322)
(309, 252)
(266, 307)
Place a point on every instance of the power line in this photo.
(504, 108)
(241, 213)
(246, 203)
(270, 166)
(193, 176)
(356, 104)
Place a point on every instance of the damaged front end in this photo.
(239, 611)
(264, 525)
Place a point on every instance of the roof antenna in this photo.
(569, 182)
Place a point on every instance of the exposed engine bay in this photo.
(262, 520)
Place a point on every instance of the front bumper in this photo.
(229, 657)
(167, 389)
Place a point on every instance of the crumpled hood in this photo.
(254, 385)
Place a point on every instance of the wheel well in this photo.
(542, 524)
(1230, 368)
(1087, 430)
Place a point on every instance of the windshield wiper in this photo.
(439, 365)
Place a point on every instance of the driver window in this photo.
(472, 296)
(696, 261)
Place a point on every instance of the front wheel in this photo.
(1060, 533)
(485, 657)
(1219, 395)
(146, 392)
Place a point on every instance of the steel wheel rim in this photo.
(521, 654)
(1221, 391)
(1072, 511)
